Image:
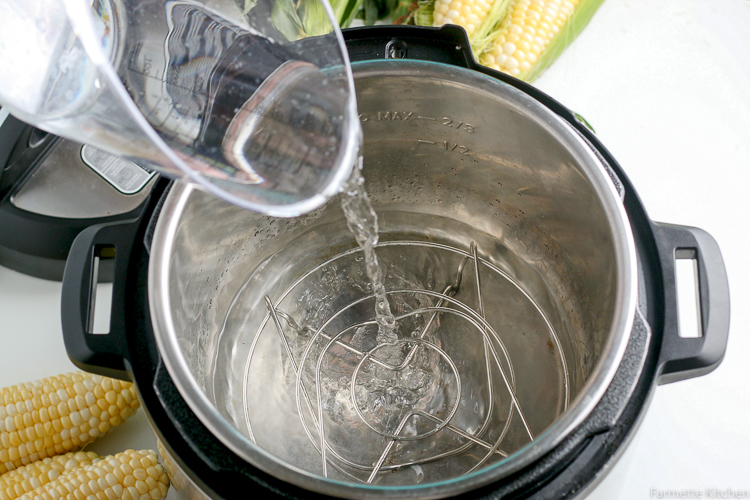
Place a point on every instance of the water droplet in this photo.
(419, 472)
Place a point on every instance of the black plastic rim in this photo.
(31, 243)
(571, 467)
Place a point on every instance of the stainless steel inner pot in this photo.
(509, 262)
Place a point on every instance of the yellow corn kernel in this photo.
(465, 13)
(105, 478)
(64, 420)
(34, 475)
(534, 23)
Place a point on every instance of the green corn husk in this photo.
(285, 18)
(403, 11)
(246, 5)
(489, 29)
(370, 9)
(573, 27)
(376, 10)
(314, 18)
(297, 19)
(346, 11)
(423, 14)
(485, 33)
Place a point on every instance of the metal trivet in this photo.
(310, 399)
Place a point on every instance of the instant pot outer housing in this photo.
(538, 200)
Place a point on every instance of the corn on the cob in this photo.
(535, 34)
(17, 482)
(466, 13)
(130, 475)
(518, 37)
(532, 26)
(59, 414)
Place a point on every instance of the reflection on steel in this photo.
(496, 363)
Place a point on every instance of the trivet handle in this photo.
(682, 358)
(103, 354)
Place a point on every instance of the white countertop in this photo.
(666, 85)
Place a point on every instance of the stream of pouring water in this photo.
(363, 222)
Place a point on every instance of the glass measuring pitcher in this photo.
(251, 99)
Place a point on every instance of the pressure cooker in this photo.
(535, 300)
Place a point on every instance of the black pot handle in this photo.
(682, 358)
(103, 354)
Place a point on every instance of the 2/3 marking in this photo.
(457, 124)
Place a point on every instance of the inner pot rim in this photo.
(579, 408)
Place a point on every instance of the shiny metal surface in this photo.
(64, 186)
(479, 386)
(178, 479)
(451, 157)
